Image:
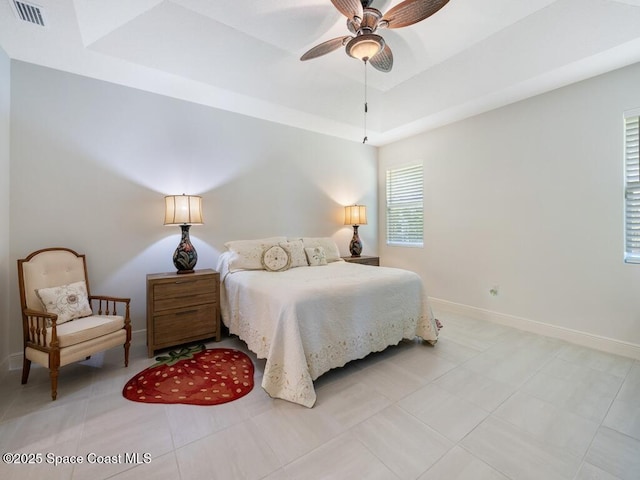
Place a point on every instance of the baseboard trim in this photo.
(5, 364)
(584, 339)
(15, 361)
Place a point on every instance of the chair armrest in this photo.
(108, 304)
(35, 327)
(110, 298)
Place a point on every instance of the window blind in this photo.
(632, 188)
(405, 215)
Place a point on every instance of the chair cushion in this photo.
(67, 301)
(76, 353)
(86, 328)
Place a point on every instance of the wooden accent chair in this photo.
(62, 322)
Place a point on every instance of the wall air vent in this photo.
(28, 12)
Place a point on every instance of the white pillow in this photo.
(67, 301)
(247, 254)
(276, 259)
(330, 248)
(316, 256)
(296, 252)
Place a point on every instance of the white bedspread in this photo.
(308, 320)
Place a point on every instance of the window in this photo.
(632, 187)
(405, 206)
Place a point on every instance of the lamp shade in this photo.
(183, 210)
(355, 215)
(365, 46)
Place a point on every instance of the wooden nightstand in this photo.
(182, 308)
(364, 260)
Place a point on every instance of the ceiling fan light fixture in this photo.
(365, 46)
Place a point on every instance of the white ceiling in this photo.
(243, 56)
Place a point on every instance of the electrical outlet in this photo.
(494, 290)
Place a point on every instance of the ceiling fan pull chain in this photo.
(366, 107)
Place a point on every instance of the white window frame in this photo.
(405, 205)
(632, 186)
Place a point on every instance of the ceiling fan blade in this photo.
(325, 47)
(349, 8)
(411, 11)
(383, 60)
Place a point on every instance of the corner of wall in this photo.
(5, 131)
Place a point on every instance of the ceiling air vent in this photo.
(28, 12)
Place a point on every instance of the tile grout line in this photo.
(601, 425)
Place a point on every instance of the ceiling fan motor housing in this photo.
(368, 24)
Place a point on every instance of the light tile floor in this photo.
(487, 402)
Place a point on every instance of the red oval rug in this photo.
(194, 376)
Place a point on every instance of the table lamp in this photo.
(183, 210)
(355, 215)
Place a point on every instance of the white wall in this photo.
(91, 162)
(530, 198)
(5, 262)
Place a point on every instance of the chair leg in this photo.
(26, 368)
(126, 353)
(53, 373)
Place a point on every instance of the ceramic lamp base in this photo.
(355, 247)
(185, 257)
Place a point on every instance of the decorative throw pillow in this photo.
(67, 301)
(247, 254)
(316, 256)
(327, 243)
(276, 259)
(296, 252)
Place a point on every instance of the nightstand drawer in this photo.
(188, 299)
(180, 288)
(176, 326)
(184, 286)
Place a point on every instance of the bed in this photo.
(298, 305)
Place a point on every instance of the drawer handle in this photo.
(187, 312)
(178, 282)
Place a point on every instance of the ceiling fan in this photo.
(363, 21)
